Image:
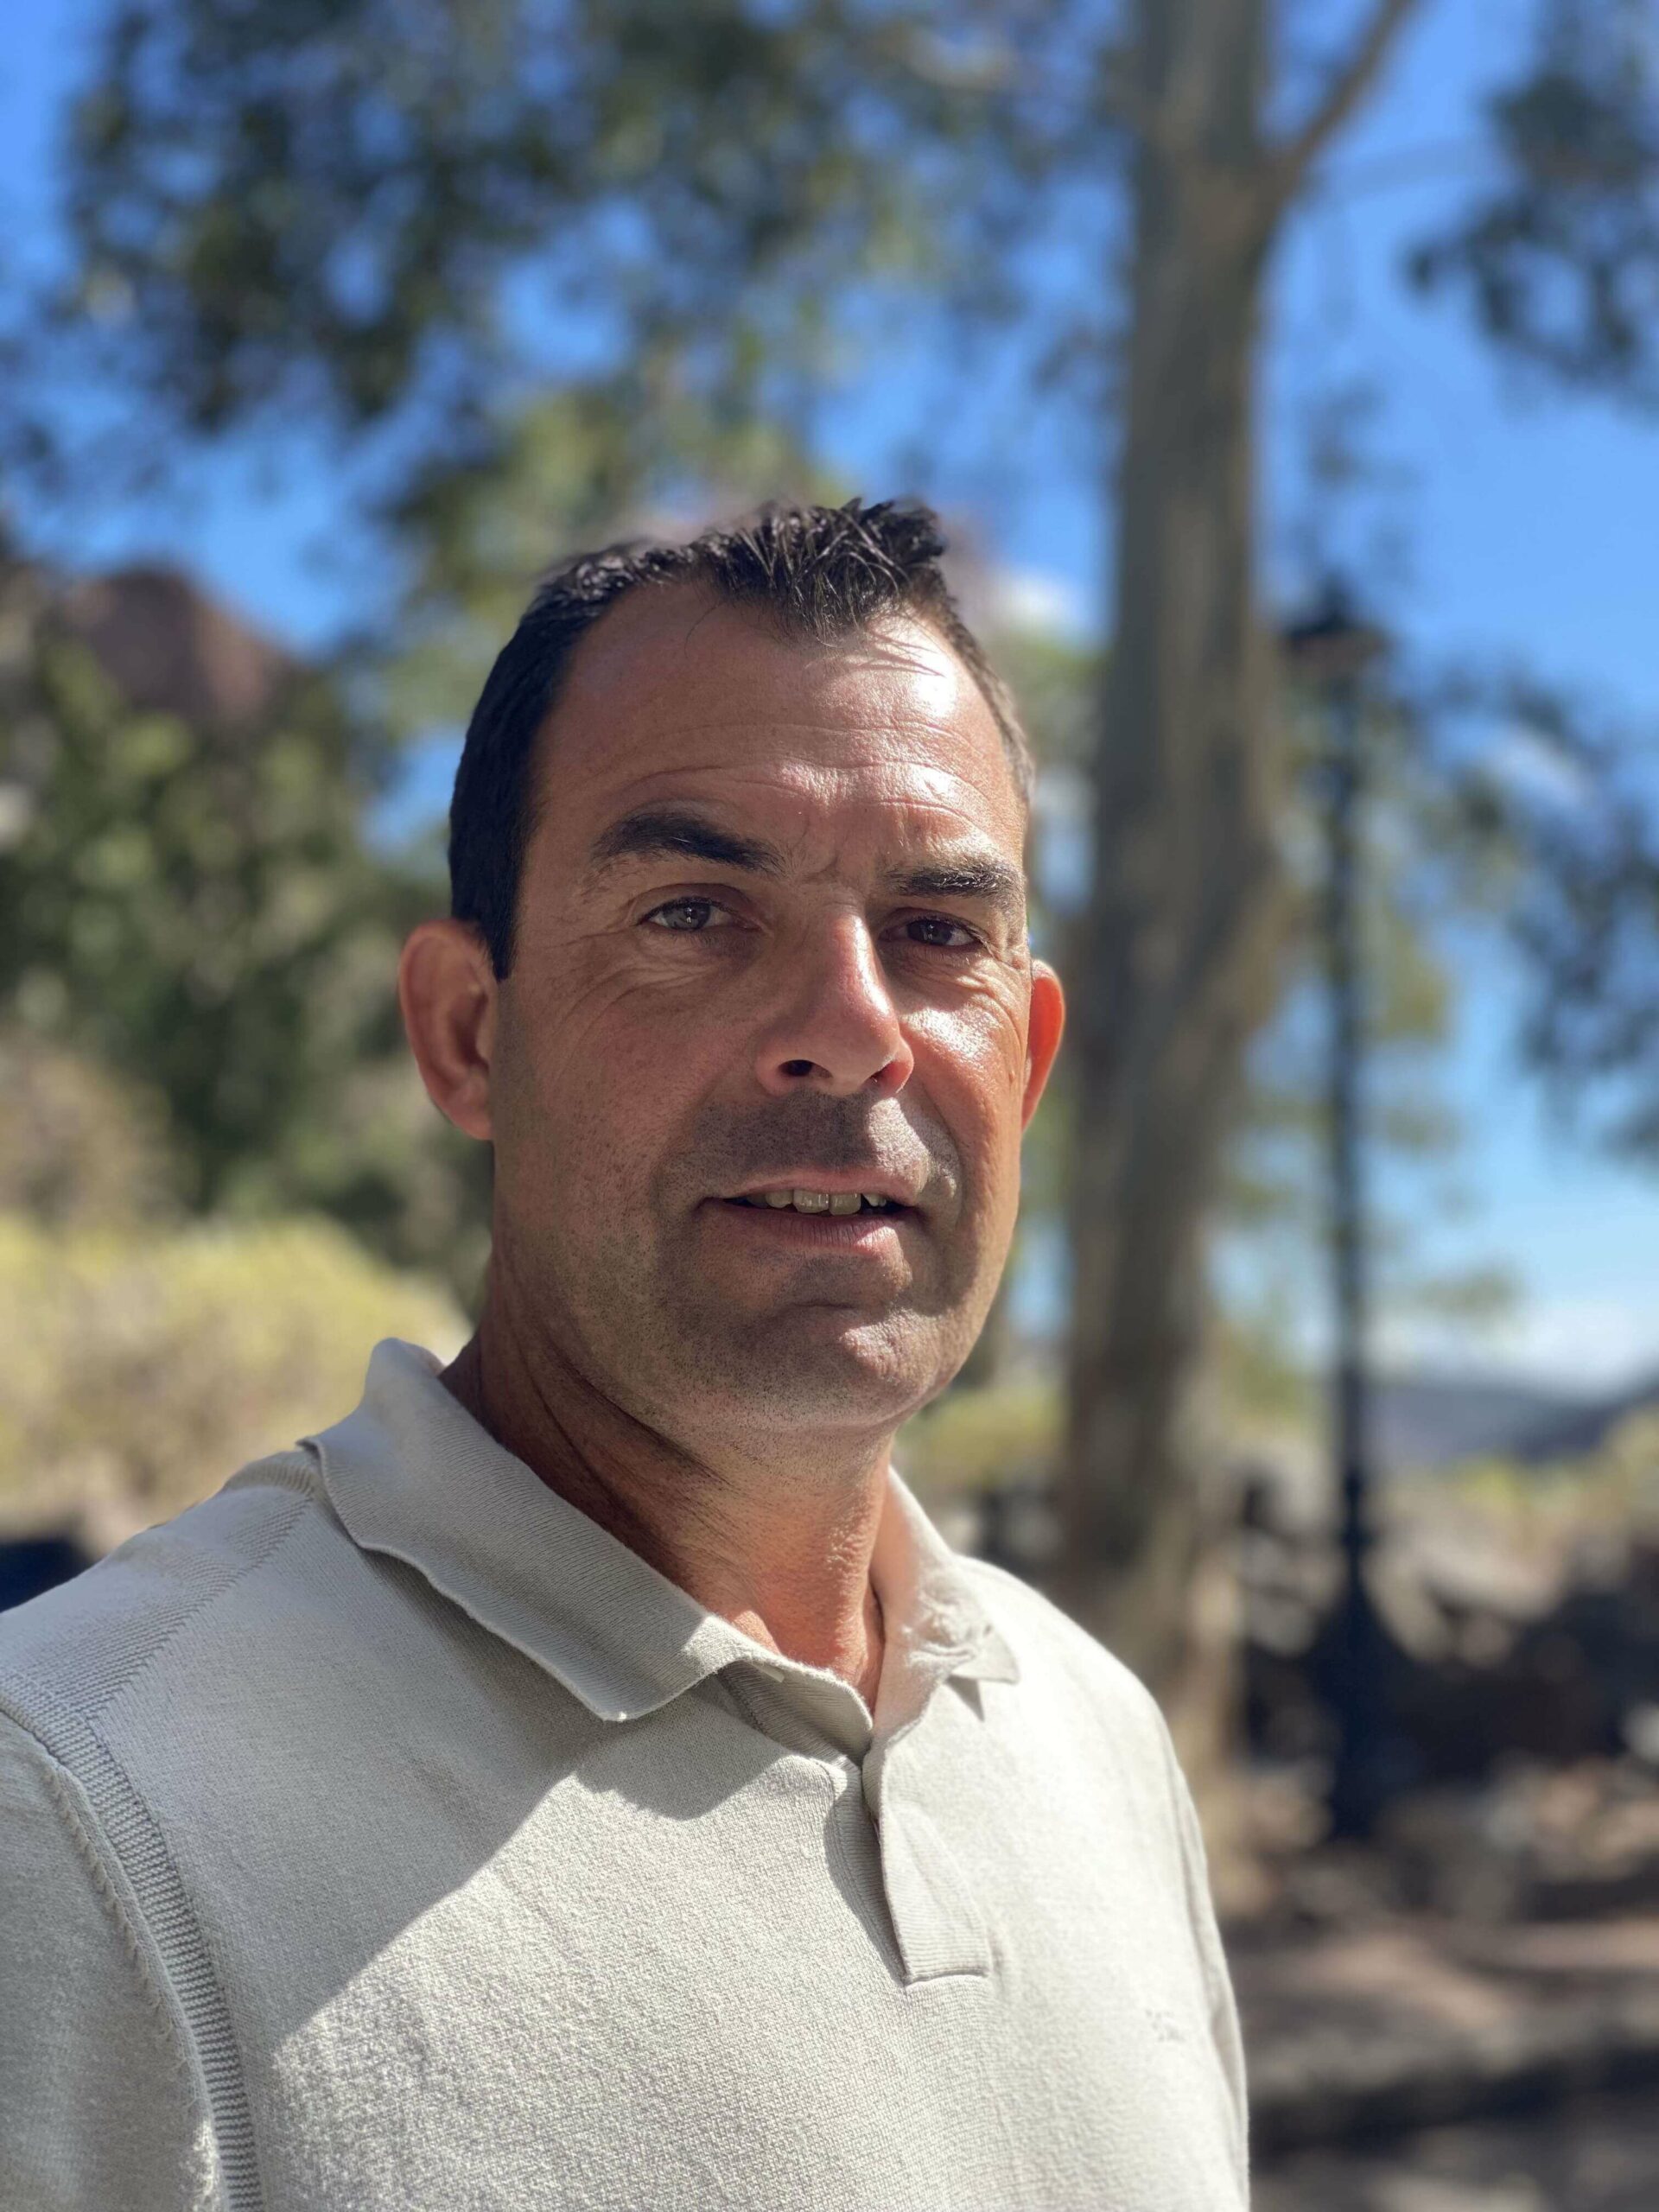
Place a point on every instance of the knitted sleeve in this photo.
(101, 2101)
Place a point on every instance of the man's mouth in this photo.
(831, 1202)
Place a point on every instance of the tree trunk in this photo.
(1177, 953)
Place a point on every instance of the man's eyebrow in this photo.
(678, 833)
(982, 877)
(664, 832)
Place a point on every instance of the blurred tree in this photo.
(485, 515)
(79, 1147)
(1563, 806)
(1181, 939)
(1558, 259)
(1558, 256)
(187, 902)
(1430, 878)
(1438, 863)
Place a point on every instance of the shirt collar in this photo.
(411, 1474)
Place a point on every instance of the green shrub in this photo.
(143, 1367)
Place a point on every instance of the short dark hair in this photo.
(818, 572)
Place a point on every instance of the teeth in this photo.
(840, 1202)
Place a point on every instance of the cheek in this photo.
(598, 1079)
(970, 1059)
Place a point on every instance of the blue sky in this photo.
(1526, 527)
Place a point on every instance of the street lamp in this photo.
(1330, 650)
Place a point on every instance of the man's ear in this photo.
(449, 993)
(1044, 1024)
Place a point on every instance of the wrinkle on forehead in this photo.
(673, 689)
(685, 625)
(905, 782)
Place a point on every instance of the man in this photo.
(583, 1776)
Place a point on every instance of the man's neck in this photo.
(786, 1561)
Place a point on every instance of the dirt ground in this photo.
(1418, 2065)
(1598, 2155)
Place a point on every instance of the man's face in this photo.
(772, 935)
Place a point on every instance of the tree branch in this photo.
(1292, 159)
(1409, 166)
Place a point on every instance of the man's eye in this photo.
(939, 926)
(686, 917)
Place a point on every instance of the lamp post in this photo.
(1331, 650)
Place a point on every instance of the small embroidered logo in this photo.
(1167, 2026)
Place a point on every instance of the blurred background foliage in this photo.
(149, 1363)
(195, 938)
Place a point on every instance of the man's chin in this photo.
(832, 1367)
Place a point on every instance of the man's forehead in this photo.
(672, 679)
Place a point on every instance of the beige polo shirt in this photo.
(383, 1834)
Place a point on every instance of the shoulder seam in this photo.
(92, 1694)
(264, 1554)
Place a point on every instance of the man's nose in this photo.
(835, 1027)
